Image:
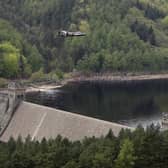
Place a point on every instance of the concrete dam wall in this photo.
(20, 118)
(39, 121)
(8, 105)
(4, 111)
(10, 99)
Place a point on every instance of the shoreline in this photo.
(42, 88)
(96, 78)
(119, 78)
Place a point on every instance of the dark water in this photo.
(129, 103)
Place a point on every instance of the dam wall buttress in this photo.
(9, 101)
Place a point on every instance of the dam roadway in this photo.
(40, 121)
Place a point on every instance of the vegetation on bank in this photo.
(3, 82)
(122, 35)
(137, 149)
(18, 58)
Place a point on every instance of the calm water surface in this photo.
(129, 103)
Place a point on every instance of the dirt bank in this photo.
(97, 77)
(41, 88)
(118, 78)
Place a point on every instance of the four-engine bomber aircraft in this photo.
(64, 33)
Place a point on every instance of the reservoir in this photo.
(129, 102)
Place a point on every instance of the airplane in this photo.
(64, 33)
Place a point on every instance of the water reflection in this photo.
(128, 103)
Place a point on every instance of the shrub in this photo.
(38, 76)
(3, 82)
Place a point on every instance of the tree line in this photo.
(137, 149)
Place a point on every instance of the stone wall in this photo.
(8, 104)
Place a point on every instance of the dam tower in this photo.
(16, 93)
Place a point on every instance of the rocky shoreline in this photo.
(97, 78)
(42, 88)
(118, 78)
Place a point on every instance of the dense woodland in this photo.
(138, 149)
(122, 35)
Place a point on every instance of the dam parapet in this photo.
(10, 99)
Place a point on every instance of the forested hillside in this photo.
(122, 35)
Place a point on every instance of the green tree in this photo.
(10, 59)
(126, 157)
(13, 64)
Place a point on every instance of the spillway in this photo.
(40, 121)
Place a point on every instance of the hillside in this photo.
(122, 35)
